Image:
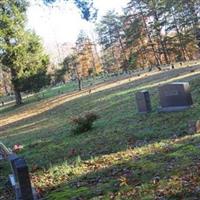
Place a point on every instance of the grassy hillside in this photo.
(69, 87)
(125, 156)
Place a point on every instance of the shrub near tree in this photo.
(83, 122)
(21, 52)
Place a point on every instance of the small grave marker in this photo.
(143, 101)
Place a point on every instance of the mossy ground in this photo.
(126, 156)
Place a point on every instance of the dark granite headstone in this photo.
(175, 97)
(23, 179)
(12, 158)
(143, 101)
(22, 185)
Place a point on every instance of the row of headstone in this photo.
(19, 179)
(173, 97)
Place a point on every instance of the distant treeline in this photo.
(150, 33)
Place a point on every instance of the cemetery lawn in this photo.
(125, 156)
(59, 89)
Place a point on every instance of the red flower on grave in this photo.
(17, 147)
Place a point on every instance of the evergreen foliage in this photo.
(21, 52)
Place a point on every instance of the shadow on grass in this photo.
(108, 136)
(149, 79)
(67, 89)
(170, 172)
(117, 129)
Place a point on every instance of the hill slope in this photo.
(126, 155)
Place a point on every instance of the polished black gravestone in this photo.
(20, 179)
(143, 101)
(175, 97)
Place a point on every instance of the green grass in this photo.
(126, 156)
(56, 90)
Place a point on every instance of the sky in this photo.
(61, 22)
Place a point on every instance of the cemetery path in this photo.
(157, 77)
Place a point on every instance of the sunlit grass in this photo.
(124, 152)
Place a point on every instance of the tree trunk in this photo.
(183, 50)
(93, 61)
(5, 87)
(158, 61)
(195, 17)
(79, 84)
(4, 83)
(116, 61)
(123, 51)
(18, 97)
(159, 37)
(143, 52)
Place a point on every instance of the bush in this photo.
(84, 122)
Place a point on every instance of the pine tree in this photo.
(21, 51)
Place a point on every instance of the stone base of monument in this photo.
(16, 188)
(173, 108)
